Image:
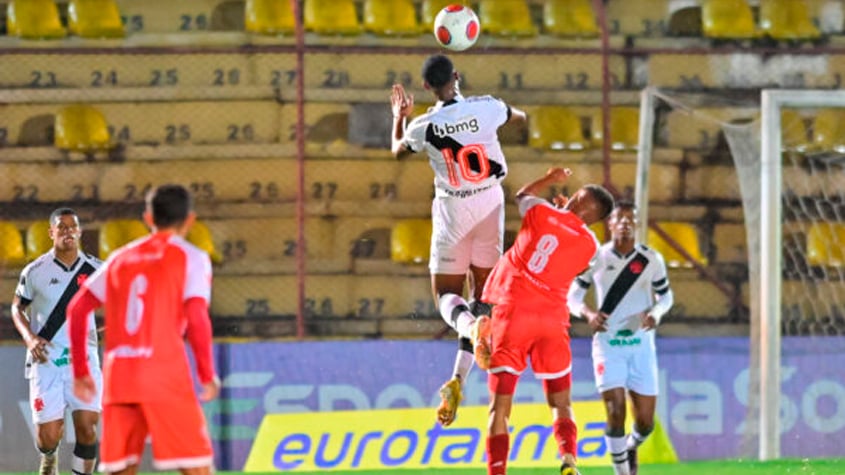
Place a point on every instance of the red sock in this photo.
(497, 454)
(566, 434)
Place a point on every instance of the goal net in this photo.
(763, 176)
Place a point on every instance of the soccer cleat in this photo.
(49, 464)
(450, 399)
(480, 334)
(632, 461)
(567, 469)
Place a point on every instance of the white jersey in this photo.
(46, 286)
(460, 138)
(625, 287)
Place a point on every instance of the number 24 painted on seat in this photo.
(462, 160)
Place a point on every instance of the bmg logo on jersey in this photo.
(464, 125)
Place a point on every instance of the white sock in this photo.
(463, 363)
(635, 439)
(81, 465)
(619, 453)
(455, 312)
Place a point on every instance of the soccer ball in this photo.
(456, 27)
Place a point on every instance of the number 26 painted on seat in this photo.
(467, 173)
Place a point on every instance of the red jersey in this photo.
(552, 247)
(144, 286)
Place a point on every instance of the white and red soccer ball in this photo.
(456, 27)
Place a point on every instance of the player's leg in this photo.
(85, 451)
(180, 435)
(48, 435)
(124, 434)
(614, 432)
(502, 386)
(563, 421)
(46, 400)
(642, 389)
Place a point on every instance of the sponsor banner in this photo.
(410, 439)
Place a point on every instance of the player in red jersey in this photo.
(528, 287)
(155, 290)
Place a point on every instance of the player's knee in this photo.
(85, 451)
(86, 435)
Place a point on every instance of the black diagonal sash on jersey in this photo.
(58, 315)
(633, 269)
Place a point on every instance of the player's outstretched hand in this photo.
(559, 174)
(648, 322)
(84, 389)
(401, 103)
(210, 390)
(597, 320)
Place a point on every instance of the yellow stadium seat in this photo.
(624, 128)
(794, 130)
(599, 228)
(555, 128)
(570, 18)
(506, 18)
(685, 235)
(332, 17)
(38, 239)
(826, 245)
(391, 17)
(95, 19)
(410, 241)
(119, 232)
(11, 245)
(787, 20)
(727, 19)
(34, 19)
(269, 17)
(829, 130)
(199, 235)
(81, 128)
(430, 9)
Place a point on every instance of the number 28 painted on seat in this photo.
(463, 166)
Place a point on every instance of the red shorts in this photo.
(177, 429)
(520, 333)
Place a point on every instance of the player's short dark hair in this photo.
(169, 205)
(603, 198)
(437, 70)
(625, 204)
(59, 212)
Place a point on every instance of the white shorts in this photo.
(467, 231)
(619, 362)
(51, 391)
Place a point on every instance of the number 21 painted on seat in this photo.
(467, 173)
(135, 304)
(546, 245)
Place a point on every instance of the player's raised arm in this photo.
(402, 106)
(536, 187)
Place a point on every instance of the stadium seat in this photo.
(200, 236)
(11, 245)
(570, 18)
(81, 128)
(332, 17)
(729, 240)
(826, 245)
(430, 9)
(685, 235)
(599, 228)
(555, 128)
(624, 128)
(829, 130)
(269, 17)
(506, 18)
(118, 232)
(34, 19)
(728, 19)
(787, 20)
(410, 241)
(95, 19)
(391, 17)
(794, 130)
(38, 239)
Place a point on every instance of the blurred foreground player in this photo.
(460, 137)
(528, 289)
(155, 290)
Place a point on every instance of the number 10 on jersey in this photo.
(463, 164)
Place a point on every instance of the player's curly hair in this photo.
(437, 70)
(603, 197)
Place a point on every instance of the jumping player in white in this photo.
(633, 291)
(459, 135)
(38, 310)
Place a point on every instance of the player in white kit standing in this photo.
(632, 291)
(459, 135)
(38, 310)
